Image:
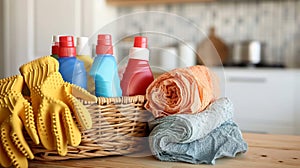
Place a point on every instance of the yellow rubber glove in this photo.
(34, 74)
(15, 113)
(59, 104)
(55, 105)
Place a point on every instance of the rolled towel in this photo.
(225, 141)
(197, 138)
(182, 90)
(185, 128)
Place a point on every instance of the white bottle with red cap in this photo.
(55, 46)
(138, 75)
(105, 70)
(84, 54)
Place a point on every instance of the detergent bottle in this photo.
(71, 69)
(55, 46)
(138, 75)
(84, 54)
(83, 51)
(105, 70)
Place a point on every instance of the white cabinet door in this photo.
(2, 69)
(297, 102)
(263, 99)
(18, 34)
(29, 26)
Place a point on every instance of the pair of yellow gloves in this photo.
(49, 117)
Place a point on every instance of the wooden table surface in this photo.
(268, 151)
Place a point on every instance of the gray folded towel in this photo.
(197, 138)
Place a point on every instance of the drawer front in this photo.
(263, 101)
(297, 102)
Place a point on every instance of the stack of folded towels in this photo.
(192, 124)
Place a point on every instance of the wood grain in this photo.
(145, 2)
(268, 151)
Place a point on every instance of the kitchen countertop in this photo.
(265, 150)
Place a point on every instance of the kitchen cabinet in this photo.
(297, 102)
(265, 100)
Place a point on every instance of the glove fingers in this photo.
(35, 72)
(27, 117)
(58, 128)
(13, 83)
(4, 159)
(44, 125)
(4, 110)
(82, 115)
(55, 80)
(18, 138)
(73, 133)
(16, 157)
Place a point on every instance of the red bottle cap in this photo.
(104, 44)
(66, 46)
(140, 42)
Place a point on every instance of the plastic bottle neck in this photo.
(55, 48)
(68, 52)
(66, 47)
(139, 53)
(105, 55)
(104, 44)
(82, 46)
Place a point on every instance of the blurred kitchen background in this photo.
(258, 42)
(275, 23)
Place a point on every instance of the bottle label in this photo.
(139, 53)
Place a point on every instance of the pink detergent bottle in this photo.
(138, 75)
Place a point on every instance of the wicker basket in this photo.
(119, 125)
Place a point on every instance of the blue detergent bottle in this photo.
(71, 69)
(105, 70)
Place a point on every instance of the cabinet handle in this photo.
(248, 79)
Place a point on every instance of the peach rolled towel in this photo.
(181, 91)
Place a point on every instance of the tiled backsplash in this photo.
(276, 23)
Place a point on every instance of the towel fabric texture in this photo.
(182, 90)
(197, 138)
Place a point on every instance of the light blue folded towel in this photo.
(197, 138)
